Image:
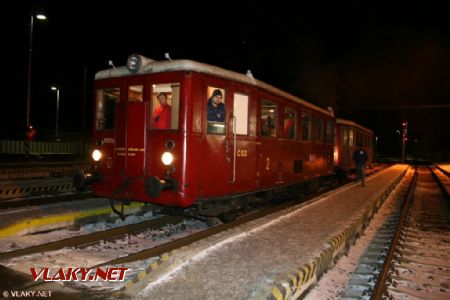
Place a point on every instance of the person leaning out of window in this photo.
(216, 108)
(161, 117)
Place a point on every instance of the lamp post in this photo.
(404, 139)
(57, 111)
(39, 16)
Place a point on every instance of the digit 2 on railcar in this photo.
(267, 140)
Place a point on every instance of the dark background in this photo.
(376, 63)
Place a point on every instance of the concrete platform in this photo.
(270, 258)
(16, 222)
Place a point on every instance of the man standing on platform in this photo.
(360, 157)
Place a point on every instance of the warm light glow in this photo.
(336, 156)
(41, 16)
(54, 88)
(96, 155)
(167, 158)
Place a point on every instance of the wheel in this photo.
(228, 216)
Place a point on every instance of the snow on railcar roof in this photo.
(351, 123)
(152, 66)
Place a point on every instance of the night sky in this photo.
(374, 63)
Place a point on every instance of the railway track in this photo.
(96, 237)
(150, 253)
(410, 254)
(46, 169)
(42, 200)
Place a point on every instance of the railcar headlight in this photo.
(96, 155)
(167, 158)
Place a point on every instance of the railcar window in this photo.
(135, 93)
(165, 106)
(319, 130)
(350, 137)
(240, 111)
(358, 138)
(329, 132)
(269, 118)
(290, 123)
(106, 108)
(344, 136)
(306, 127)
(216, 114)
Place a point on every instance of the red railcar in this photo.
(348, 136)
(261, 138)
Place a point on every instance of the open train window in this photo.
(105, 108)
(165, 105)
(269, 118)
(306, 127)
(290, 123)
(216, 110)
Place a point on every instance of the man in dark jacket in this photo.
(216, 108)
(360, 157)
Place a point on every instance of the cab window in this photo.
(135, 93)
(165, 104)
(240, 112)
(269, 118)
(216, 114)
(105, 108)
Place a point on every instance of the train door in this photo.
(130, 138)
(240, 152)
(217, 150)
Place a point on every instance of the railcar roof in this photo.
(351, 123)
(190, 65)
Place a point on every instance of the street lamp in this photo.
(57, 111)
(39, 16)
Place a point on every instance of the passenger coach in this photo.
(348, 136)
(267, 140)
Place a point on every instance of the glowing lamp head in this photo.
(167, 158)
(96, 155)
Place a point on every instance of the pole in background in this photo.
(83, 119)
(39, 16)
(57, 112)
(404, 139)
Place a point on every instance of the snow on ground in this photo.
(19, 242)
(95, 254)
(333, 283)
(446, 167)
(234, 264)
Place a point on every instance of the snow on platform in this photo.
(273, 256)
(445, 167)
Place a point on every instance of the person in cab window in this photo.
(161, 117)
(216, 108)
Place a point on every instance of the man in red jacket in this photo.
(162, 114)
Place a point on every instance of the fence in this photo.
(18, 147)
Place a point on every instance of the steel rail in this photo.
(379, 288)
(93, 237)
